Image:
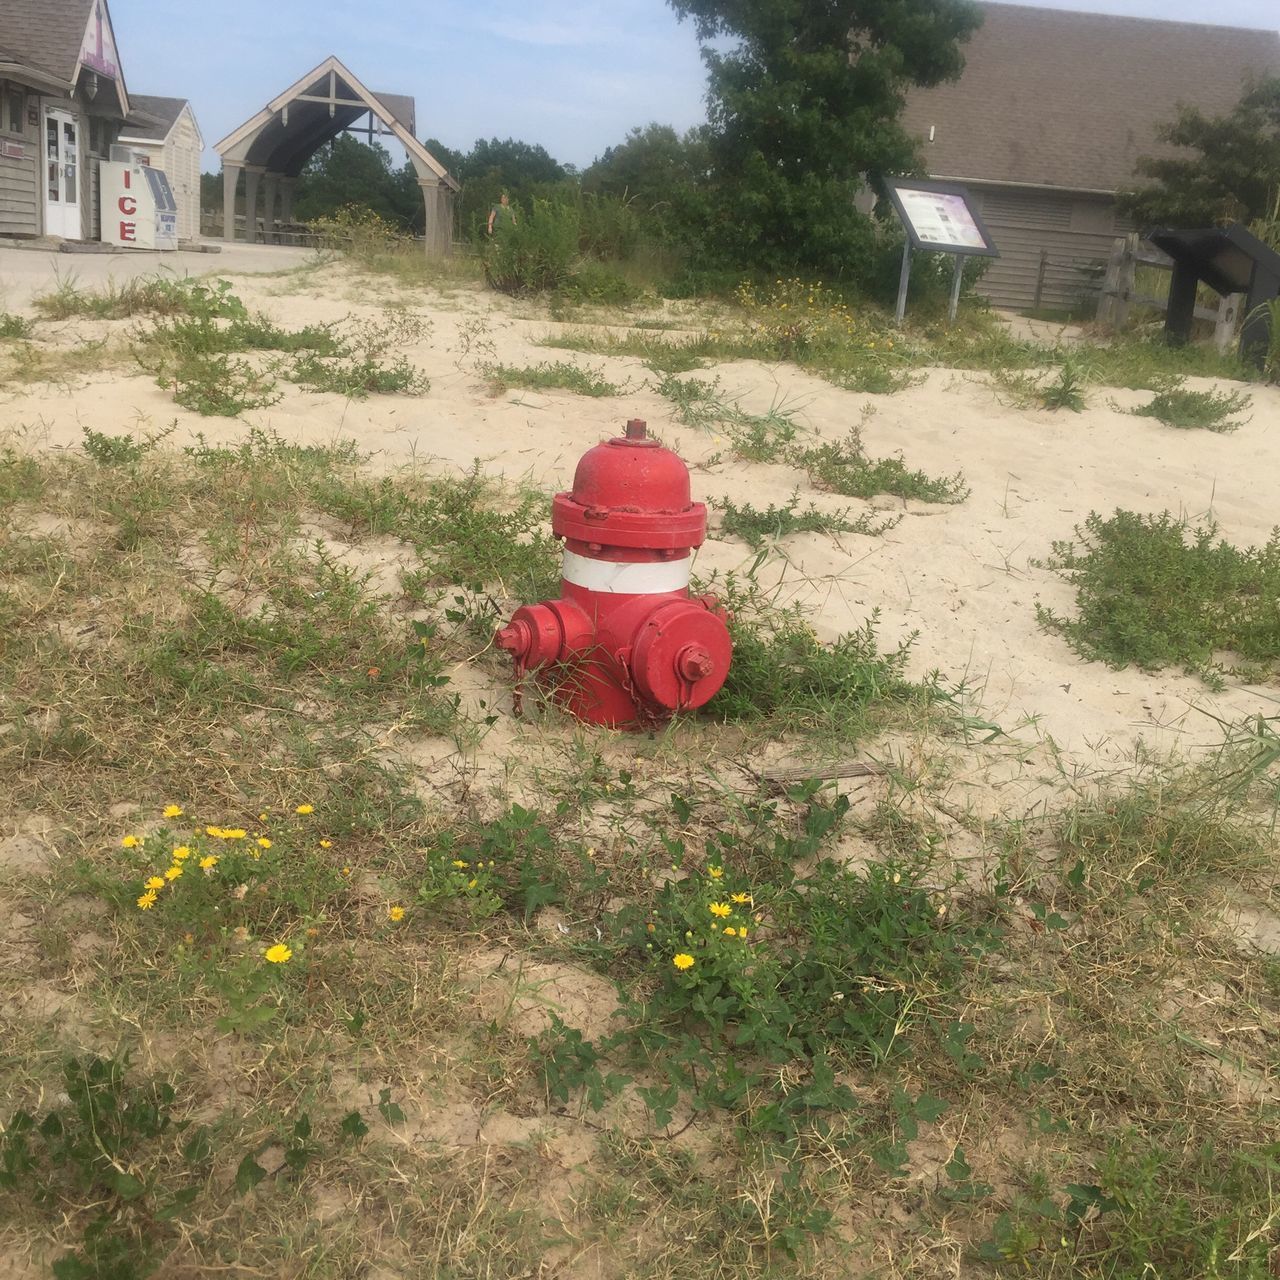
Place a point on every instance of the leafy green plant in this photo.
(697, 402)
(1153, 591)
(1066, 391)
(113, 1161)
(754, 526)
(357, 376)
(12, 326)
(795, 971)
(1176, 406)
(114, 451)
(217, 386)
(845, 468)
(560, 375)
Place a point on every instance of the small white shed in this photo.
(166, 132)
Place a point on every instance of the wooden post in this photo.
(1224, 331)
(1127, 283)
(1110, 285)
(1044, 262)
(252, 174)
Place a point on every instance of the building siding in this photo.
(20, 179)
(1073, 233)
(182, 164)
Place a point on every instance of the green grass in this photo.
(547, 376)
(1155, 591)
(1176, 406)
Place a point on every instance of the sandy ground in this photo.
(960, 577)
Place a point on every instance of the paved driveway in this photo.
(24, 273)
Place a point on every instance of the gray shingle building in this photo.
(62, 102)
(1050, 117)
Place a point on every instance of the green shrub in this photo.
(754, 526)
(216, 385)
(594, 283)
(845, 468)
(357, 376)
(1175, 406)
(1152, 591)
(536, 254)
(12, 326)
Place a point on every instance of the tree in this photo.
(352, 172)
(1234, 175)
(804, 97)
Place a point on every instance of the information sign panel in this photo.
(939, 216)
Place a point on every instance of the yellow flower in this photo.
(457, 862)
(279, 954)
(263, 842)
(471, 884)
(715, 872)
(130, 842)
(210, 861)
(731, 931)
(742, 933)
(326, 844)
(304, 809)
(720, 909)
(682, 961)
(173, 811)
(174, 871)
(740, 898)
(346, 871)
(234, 833)
(148, 900)
(181, 853)
(262, 817)
(216, 832)
(155, 882)
(395, 914)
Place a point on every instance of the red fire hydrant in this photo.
(625, 644)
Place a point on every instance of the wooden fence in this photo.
(1120, 292)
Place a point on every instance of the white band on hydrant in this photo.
(610, 577)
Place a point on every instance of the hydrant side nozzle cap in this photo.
(637, 429)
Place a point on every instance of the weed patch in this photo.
(1176, 406)
(845, 468)
(153, 295)
(754, 526)
(1152, 591)
(548, 376)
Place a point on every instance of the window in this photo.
(13, 109)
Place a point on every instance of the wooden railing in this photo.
(1120, 292)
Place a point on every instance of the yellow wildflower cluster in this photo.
(795, 316)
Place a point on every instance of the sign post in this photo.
(937, 217)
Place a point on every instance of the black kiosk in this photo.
(1229, 259)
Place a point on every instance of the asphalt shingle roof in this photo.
(151, 117)
(45, 34)
(1072, 100)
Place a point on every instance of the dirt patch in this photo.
(522, 995)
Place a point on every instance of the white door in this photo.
(62, 174)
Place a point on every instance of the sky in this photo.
(572, 75)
